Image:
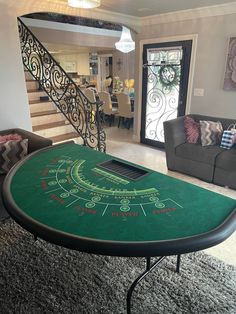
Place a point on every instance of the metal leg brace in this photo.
(178, 263)
(149, 268)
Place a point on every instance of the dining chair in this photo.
(105, 97)
(124, 108)
(90, 94)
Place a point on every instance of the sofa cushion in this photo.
(197, 152)
(227, 160)
(211, 132)
(192, 130)
(11, 152)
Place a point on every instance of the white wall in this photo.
(14, 109)
(211, 53)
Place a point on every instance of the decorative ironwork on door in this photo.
(164, 70)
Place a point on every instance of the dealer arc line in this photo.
(76, 171)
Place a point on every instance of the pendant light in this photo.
(84, 4)
(126, 43)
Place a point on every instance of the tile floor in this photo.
(121, 144)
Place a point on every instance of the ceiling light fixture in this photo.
(126, 43)
(84, 4)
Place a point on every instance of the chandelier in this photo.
(85, 4)
(126, 43)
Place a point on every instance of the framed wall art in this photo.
(230, 72)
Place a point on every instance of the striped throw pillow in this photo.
(11, 152)
(211, 132)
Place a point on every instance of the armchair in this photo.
(35, 142)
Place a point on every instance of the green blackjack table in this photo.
(89, 201)
(67, 195)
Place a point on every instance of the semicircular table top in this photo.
(86, 200)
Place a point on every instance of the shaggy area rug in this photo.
(38, 277)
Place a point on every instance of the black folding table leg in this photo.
(148, 263)
(178, 263)
(149, 268)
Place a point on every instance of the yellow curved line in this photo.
(91, 187)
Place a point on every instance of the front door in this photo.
(165, 85)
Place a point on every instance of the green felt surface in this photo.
(65, 189)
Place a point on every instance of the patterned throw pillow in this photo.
(11, 152)
(228, 139)
(211, 132)
(192, 130)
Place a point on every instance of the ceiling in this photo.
(136, 8)
(142, 8)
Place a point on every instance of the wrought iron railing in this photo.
(83, 115)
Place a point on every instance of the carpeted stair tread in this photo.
(48, 126)
(34, 91)
(43, 113)
(64, 137)
(38, 101)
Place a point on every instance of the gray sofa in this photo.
(35, 142)
(209, 163)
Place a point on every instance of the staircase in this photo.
(46, 119)
(58, 99)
